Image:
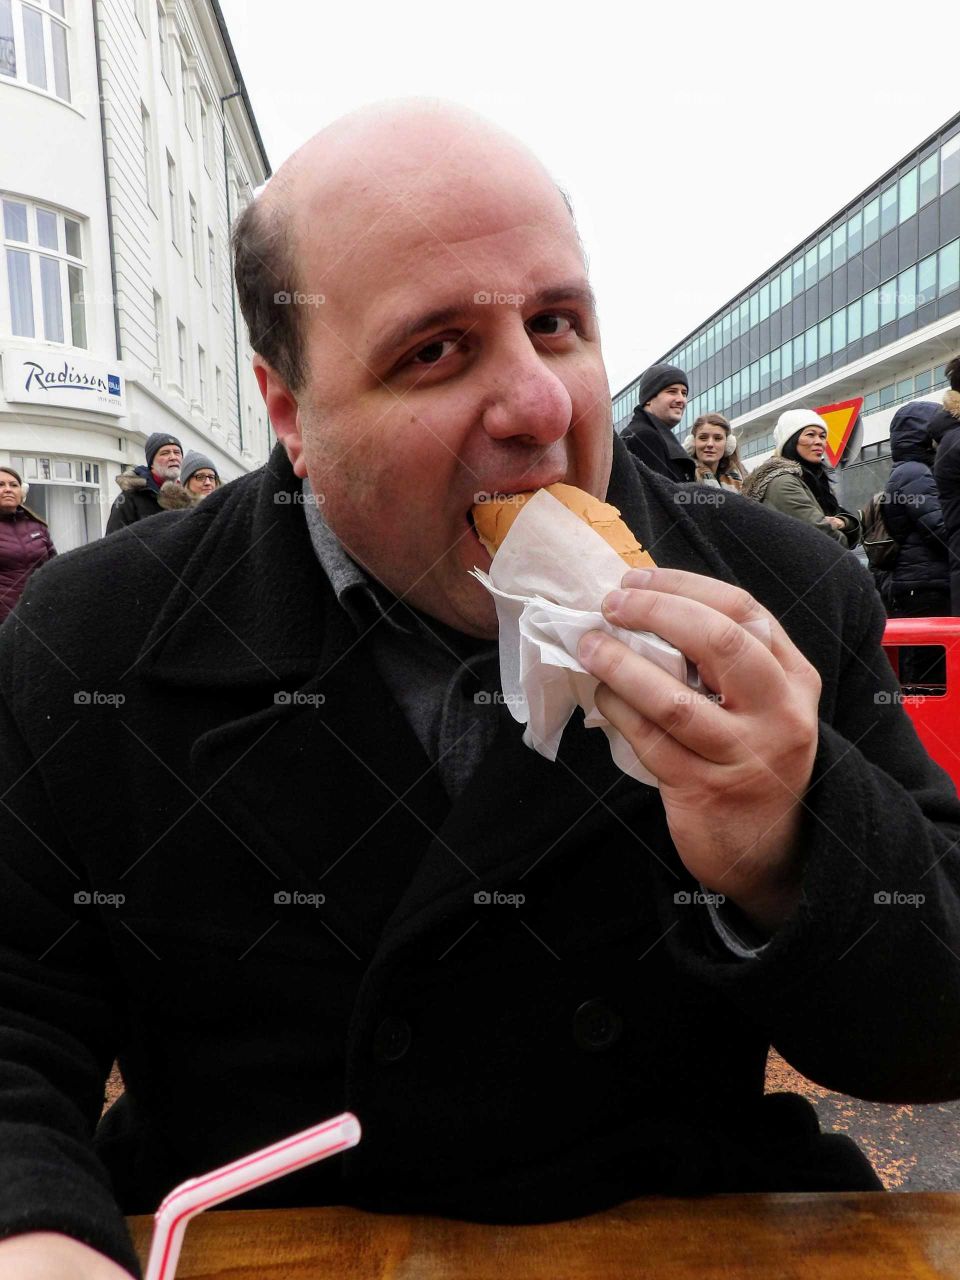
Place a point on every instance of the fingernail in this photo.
(636, 578)
(588, 645)
(614, 601)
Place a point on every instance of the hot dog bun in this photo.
(494, 517)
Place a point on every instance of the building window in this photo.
(185, 96)
(950, 164)
(907, 292)
(754, 310)
(202, 377)
(810, 346)
(147, 154)
(928, 179)
(33, 45)
(855, 233)
(871, 312)
(774, 294)
(798, 352)
(212, 266)
(927, 280)
(839, 242)
(798, 275)
(765, 302)
(838, 330)
(949, 273)
(158, 327)
(785, 292)
(205, 137)
(824, 337)
(924, 381)
(823, 258)
(871, 221)
(164, 44)
(43, 258)
(173, 200)
(810, 268)
(908, 195)
(888, 302)
(888, 210)
(195, 240)
(853, 321)
(786, 360)
(182, 356)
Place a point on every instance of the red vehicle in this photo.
(933, 708)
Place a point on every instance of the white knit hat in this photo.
(791, 422)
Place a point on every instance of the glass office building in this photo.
(868, 305)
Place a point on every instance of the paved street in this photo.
(912, 1148)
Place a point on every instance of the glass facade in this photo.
(887, 265)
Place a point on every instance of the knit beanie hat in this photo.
(792, 423)
(156, 442)
(656, 378)
(193, 462)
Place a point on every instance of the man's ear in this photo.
(284, 412)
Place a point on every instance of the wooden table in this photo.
(856, 1236)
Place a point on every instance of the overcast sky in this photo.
(699, 142)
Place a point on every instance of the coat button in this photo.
(596, 1026)
(391, 1040)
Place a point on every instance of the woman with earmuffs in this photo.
(25, 542)
(713, 447)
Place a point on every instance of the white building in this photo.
(129, 146)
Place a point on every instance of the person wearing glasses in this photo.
(198, 475)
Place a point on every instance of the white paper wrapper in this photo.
(545, 603)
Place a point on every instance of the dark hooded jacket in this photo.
(141, 496)
(913, 515)
(654, 443)
(25, 544)
(946, 471)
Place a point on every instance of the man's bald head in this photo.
(352, 181)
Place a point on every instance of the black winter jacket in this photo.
(946, 471)
(506, 1063)
(141, 496)
(912, 509)
(650, 441)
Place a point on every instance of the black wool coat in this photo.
(164, 859)
(140, 496)
(655, 444)
(945, 427)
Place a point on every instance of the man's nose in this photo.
(528, 400)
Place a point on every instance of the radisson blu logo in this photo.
(67, 377)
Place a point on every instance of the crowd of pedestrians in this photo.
(920, 575)
(169, 481)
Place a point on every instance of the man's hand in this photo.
(732, 771)
(46, 1255)
(836, 521)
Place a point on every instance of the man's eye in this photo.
(551, 325)
(434, 351)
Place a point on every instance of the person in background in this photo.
(198, 475)
(649, 433)
(918, 584)
(25, 542)
(146, 491)
(946, 473)
(796, 482)
(713, 447)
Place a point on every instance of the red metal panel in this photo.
(936, 719)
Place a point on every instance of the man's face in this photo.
(668, 405)
(459, 355)
(166, 462)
